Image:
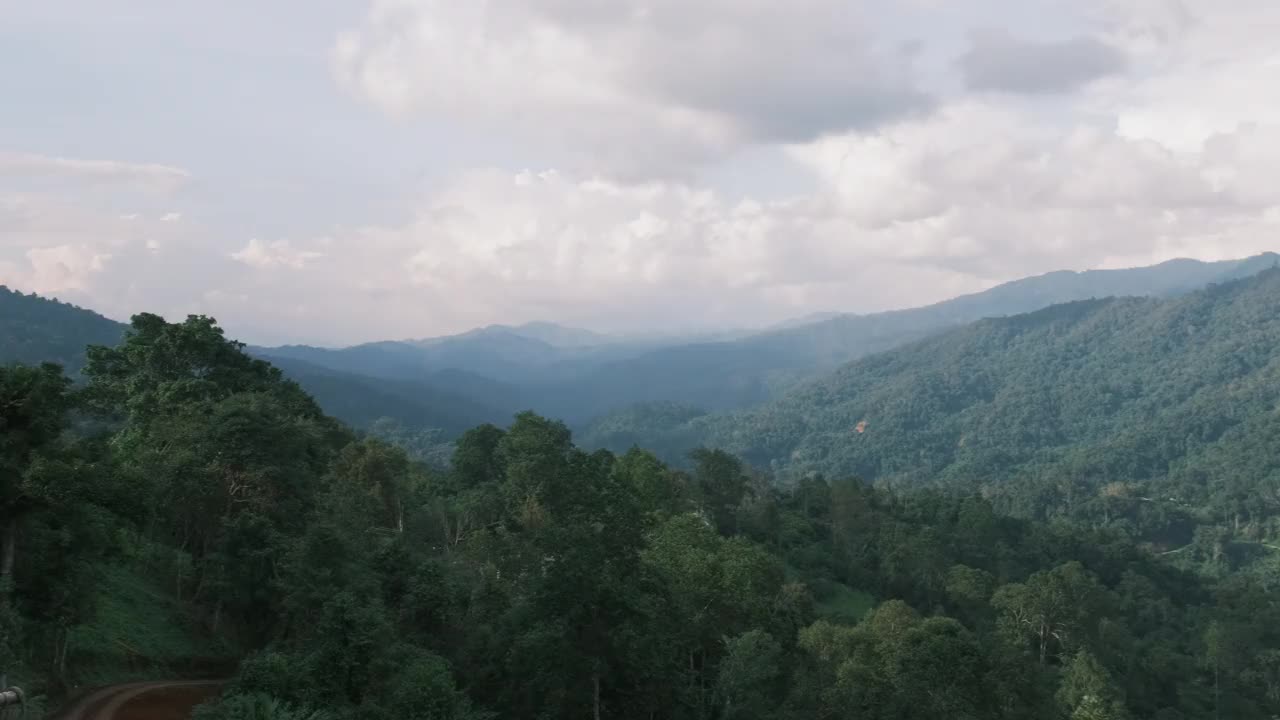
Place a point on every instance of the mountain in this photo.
(558, 336)
(539, 354)
(749, 371)
(360, 400)
(35, 330)
(810, 319)
(1070, 409)
(534, 579)
(579, 375)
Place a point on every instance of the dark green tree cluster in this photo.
(35, 330)
(1154, 417)
(532, 578)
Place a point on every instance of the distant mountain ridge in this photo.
(1180, 394)
(752, 370)
(555, 335)
(35, 329)
(568, 373)
(582, 375)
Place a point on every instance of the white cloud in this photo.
(67, 246)
(150, 176)
(638, 86)
(907, 215)
(1213, 70)
(278, 253)
(910, 186)
(63, 267)
(1046, 197)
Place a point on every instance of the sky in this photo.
(339, 171)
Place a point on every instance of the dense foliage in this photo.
(1157, 418)
(35, 330)
(535, 579)
(486, 375)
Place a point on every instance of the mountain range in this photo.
(615, 386)
(1139, 388)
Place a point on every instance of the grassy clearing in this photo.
(833, 601)
(840, 603)
(139, 630)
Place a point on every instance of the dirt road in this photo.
(143, 701)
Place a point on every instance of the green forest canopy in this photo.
(536, 579)
(1148, 416)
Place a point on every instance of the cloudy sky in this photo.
(334, 171)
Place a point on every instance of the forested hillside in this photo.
(450, 383)
(35, 330)
(578, 381)
(749, 371)
(535, 579)
(1151, 416)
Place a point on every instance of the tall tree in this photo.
(33, 407)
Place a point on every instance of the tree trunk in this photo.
(9, 553)
(1217, 692)
(62, 657)
(1044, 643)
(595, 695)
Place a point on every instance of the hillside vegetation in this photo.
(35, 330)
(535, 579)
(1151, 416)
(444, 385)
(579, 381)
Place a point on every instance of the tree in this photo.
(718, 586)
(970, 588)
(1227, 653)
(424, 689)
(747, 676)
(1087, 691)
(722, 484)
(657, 488)
(33, 407)
(160, 365)
(1054, 609)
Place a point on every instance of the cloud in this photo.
(639, 86)
(996, 60)
(903, 216)
(900, 217)
(51, 244)
(278, 253)
(55, 269)
(1049, 197)
(1135, 131)
(1215, 72)
(64, 267)
(154, 177)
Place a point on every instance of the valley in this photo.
(1059, 498)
